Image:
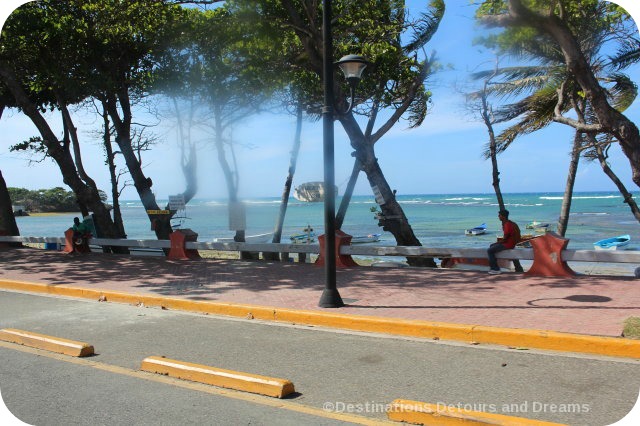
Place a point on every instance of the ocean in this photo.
(437, 220)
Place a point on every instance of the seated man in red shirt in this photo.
(511, 237)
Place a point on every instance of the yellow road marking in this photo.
(227, 393)
(417, 412)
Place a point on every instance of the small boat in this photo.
(363, 239)
(304, 238)
(251, 239)
(478, 230)
(612, 243)
(537, 225)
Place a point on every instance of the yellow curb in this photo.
(49, 343)
(531, 339)
(557, 341)
(416, 412)
(372, 324)
(246, 382)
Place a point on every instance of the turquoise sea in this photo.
(437, 220)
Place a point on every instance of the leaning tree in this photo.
(555, 22)
(553, 91)
(394, 88)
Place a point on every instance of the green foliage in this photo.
(33, 144)
(45, 200)
(595, 25)
(67, 51)
(372, 28)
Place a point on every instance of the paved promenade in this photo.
(595, 305)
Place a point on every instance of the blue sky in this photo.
(444, 155)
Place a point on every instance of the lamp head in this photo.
(352, 66)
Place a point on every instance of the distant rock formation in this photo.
(311, 192)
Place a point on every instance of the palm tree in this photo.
(566, 25)
(554, 92)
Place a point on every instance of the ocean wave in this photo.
(583, 197)
(261, 201)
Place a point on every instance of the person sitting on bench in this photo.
(511, 237)
(81, 232)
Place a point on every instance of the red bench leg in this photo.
(547, 256)
(342, 260)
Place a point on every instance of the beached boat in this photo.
(612, 243)
(304, 238)
(537, 225)
(311, 192)
(478, 230)
(363, 239)
(252, 239)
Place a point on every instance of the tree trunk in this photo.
(8, 225)
(160, 224)
(612, 121)
(189, 154)
(231, 178)
(115, 192)
(348, 192)
(284, 200)
(628, 197)
(393, 219)
(60, 154)
(495, 172)
(565, 209)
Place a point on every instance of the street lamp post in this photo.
(352, 66)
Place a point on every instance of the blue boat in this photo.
(478, 230)
(363, 239)
(612, 243)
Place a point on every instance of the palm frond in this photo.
(623, 92)
(426, 26)
(535, 112)
(516, 88)
(511, 73)
(628, 54)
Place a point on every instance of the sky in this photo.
(442, 156)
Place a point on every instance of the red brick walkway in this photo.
(595, 305)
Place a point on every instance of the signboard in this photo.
(378, 195)
(237, 217)
(158, 212)
(176, 202)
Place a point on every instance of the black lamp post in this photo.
(352, 66)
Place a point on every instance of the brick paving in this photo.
(595, 305)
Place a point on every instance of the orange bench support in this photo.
(178, 250)
(342, 260)
(71, 247)
(547, 256)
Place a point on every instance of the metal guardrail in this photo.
(622, 256)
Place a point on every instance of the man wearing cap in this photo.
(510, 237)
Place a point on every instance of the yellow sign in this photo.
(158, 211)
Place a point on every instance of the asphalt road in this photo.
(339, 377)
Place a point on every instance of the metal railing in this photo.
(605, 256)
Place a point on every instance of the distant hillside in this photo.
(46, 200)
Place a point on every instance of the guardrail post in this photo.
(547, 256)
(342, 260)
(178, 250)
